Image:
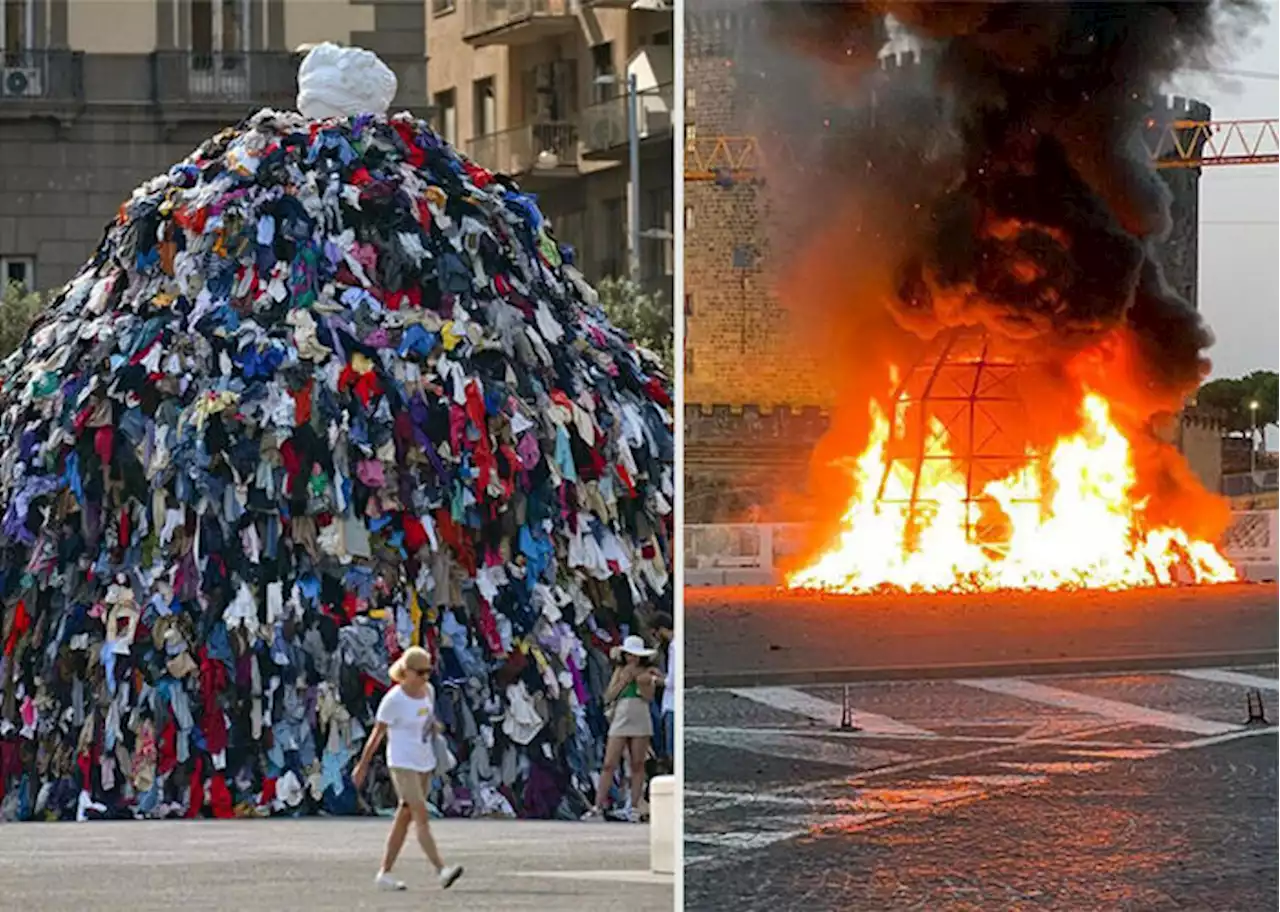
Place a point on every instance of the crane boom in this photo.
(1175, 144)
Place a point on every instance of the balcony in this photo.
(184, 80)
(517, 22)
(41, 83)
(604, 125)
(649, 6)
(543, 149)
(180, 86)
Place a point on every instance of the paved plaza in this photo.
(321, 864)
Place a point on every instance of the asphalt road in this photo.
(322, 864)
(1073, 793)
(761, 636)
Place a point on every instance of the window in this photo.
(690, 99)
(17, 28)
(484, 107)
(442, 7)
(219, 31)
(17, 270)
(604, 81)
(551, 94)
(613, 235)
(688, 304)
(657, 253)
(446, 115)
(688, 218)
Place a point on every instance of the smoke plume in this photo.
(998, 182)
(1041, 217)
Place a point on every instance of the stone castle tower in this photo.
(754, 405)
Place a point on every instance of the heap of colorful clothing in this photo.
(325, 390)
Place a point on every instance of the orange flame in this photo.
(1074, 525)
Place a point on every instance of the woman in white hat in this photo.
(407, 719)
(627, 697)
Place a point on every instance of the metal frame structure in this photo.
(958, 405)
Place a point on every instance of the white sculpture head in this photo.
(338, 81)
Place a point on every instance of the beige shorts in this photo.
(411, 786)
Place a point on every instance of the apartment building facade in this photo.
(539, 89)
(96, 96)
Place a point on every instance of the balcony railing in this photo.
(256, 79)
(177, 81)
(536, 147)
(604, 125)
(517, 21)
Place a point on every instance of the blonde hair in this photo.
(415, 658)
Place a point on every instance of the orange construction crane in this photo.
(1177, 144)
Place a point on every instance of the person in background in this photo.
(630, 691)
(407, 720)
(663, 629)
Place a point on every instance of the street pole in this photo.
(1253, 439)
(633, 155)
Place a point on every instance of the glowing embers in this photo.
(948, 498)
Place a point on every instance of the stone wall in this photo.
(60, 184)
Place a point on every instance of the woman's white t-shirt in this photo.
(409, 722)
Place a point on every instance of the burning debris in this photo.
(1020, 210)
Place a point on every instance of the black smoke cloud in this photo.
(1041, 217)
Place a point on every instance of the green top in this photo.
(631, 690)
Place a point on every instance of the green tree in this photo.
(18, 308)
(1234, 396)
(645, 317)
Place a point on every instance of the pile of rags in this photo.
(325, 390)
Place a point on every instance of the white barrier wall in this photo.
(748, 554)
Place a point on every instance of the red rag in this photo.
(415, 534)
(626, 478)
(21, 624)
(367, 387)
(489, 630)
(289, 456)
(85, 762)
(104, 439)
(302, 404)
(213, 680)
(220, 798)
(167, 748)
(197, 790)
(479, 176)
(656, 392)
(268, 790)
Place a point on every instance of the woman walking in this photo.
(629, 693)
(407, 720)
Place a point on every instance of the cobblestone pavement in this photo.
(322, 864)
(760, 636)
(1072, 793)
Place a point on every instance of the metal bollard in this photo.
(662, 825)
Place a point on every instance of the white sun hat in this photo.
(634, 645)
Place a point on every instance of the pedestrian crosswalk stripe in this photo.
(795, 701)
(1131, 713)
(1222, 676)
(792, 747)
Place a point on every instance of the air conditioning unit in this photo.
(21, 82)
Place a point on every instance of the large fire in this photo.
(1069, 522)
